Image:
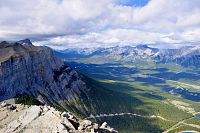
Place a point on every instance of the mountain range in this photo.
(186, 56)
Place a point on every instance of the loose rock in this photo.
(42, 118)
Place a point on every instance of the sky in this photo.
(61, 24)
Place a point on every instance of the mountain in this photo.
(36, 72)
(76, 52)
(22, 118)
(25, 42)
(33, 75)
(186, 56)
(141, 51)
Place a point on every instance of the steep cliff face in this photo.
(27, 69)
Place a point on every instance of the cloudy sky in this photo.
(91, 23)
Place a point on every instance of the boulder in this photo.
(104, 125)
(4, 104)
(87, 123)
(12, 107)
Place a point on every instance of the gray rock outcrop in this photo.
(45, 119)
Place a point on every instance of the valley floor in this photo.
(165, 96)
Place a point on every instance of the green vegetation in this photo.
(193, 121)
(142, 87)
(116, 97)
(134, 124)
(26, 100)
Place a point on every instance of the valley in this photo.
(169, 93)
(106, 66)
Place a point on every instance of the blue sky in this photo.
(86, 23)
(137, 3)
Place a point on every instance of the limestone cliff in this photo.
(27, 69)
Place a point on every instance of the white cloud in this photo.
(108, 38)
(190, 35)
(48, 17)
(87, 23)
(159, 15)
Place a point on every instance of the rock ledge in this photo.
(22, 118)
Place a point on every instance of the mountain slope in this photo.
(185, 56)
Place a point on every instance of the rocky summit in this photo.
(44, 119)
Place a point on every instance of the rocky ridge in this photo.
(36, 72)
(16, 118)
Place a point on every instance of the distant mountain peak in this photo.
(3, 42)
(25, 42)
(142, 46)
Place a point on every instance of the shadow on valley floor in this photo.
(152, 96)
(193, 96)
(149, 80)
(177, 76)
(132, 124)
(117, 86)
(112, 98)
(104, 71)
(117, 72)
(108, 71)
(157, 70)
